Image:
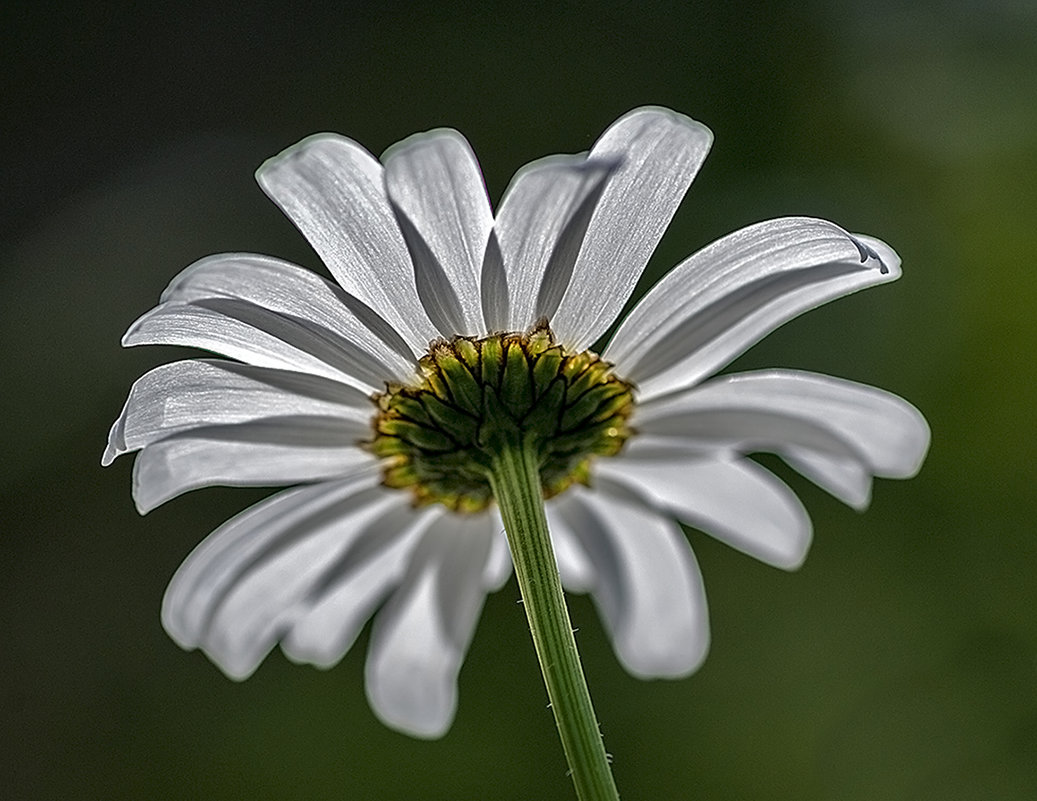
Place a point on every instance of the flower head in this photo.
(448, 329)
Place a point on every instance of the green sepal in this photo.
(516, 390)
(546, 369)
(426, 439)
(492, 362)
(463, 387)
(588, 406)
(464, 427)
(410, 407)
(591, 376)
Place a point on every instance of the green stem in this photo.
(515, 478)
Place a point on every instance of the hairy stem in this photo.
(515, 479)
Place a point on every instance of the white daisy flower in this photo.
(381, 393)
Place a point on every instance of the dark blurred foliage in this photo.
(899, 663)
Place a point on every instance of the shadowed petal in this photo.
(240, 589)
(734, 500)
(333, 190)
(337, 607)
(271, 452)
(659, 152)
(261, 337)
(493, 287)
(420, 638)
(498, 564)
(436, 290)
(728, 296)
(541, 225)
(433, 181)
(574, 566)
(295, 292)
(646, 583)
(846, 479)
(797, 414)
(708, 426)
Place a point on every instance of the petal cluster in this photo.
(417, 254)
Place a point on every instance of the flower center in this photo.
(477, 396)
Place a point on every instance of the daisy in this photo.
(450, 336)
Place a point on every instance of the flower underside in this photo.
(477, 397)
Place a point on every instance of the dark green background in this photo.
(899, 663)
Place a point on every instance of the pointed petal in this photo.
(333, 190)
(295, 292)
(239, 590)
(493, 288)
(783, 408)
(734, 500)
(728, 296)
(541, 225)
(647, 587)
(434, 181)
(271, 452)
(420, 638)
(337, 607)
(180, 396)
(659, 152)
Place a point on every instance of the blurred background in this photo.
(899, 663)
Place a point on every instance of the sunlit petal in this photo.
(333, 190)
(658, 152)
(725, 298)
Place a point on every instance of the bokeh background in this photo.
(899, 663)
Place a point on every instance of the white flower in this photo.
(418, 256)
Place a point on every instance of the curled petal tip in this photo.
(877, 251)
(868, 252)
(116, 445)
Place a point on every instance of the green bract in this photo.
(479, 396)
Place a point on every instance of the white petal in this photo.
(239, 589)
(435, 288)
(337, 608)
(647, 587)
(708, 425)
(541, 226)
(734, 500)
(780, 407)
(333, 190)
(295, 292)
(846, 479)
(728, 296)
(659, 152)
(493, 287)
(574, 565)
(434, 183)
(177, 397)
(498, 564)
(420, 638)
(272, 452)
(261, 337)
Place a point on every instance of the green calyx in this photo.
(477, 397)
